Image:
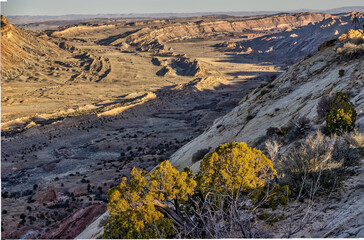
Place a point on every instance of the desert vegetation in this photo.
(341, 116)
(168, 203)
(99, 107)
(238, 190)
(354, 47)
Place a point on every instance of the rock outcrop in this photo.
(74, 224)
(290, 45)
(182, 66)
(148, 38)
(292, 95)
(21, 49)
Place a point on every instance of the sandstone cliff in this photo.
(289, 46)
(155, 37)
(21, 49)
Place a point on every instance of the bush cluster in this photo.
(161, 204)
(341, 116)
(236, 183)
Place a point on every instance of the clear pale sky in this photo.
(62, 7)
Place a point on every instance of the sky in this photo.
(63, 7)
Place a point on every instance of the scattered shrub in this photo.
(341, 72)
(250, 117)
(309, 166)
(294, 130)
(271, 131)
(132, 203)
(323, 107)
(234, 168)
(264, 91)
(301, 126)
(278, 195)
(349, 148)
(352, 50)
(197, 156)
(342, 115)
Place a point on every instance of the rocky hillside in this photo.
(21, 49)
(290, 45)
(25, 51)
(294, 94)
(155, 37)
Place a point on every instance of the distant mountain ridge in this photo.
(25, 19)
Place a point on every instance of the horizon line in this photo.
(208, 12)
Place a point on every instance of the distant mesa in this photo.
(294, 43)
(154, 38)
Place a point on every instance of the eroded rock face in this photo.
(183, 66)
(292, 95)
(148, 38)
(188, 67)
(290, 45)
(5, 25)
(74, 224)
(21, 49)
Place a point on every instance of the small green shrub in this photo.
(342, 115)
(341, 72)
(277, 195)
(115, 228)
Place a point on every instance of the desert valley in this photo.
(84, 103)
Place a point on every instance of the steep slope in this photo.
(155, 37)
(290, 45)
(20, 49)
(295, 94)
(292, 95)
